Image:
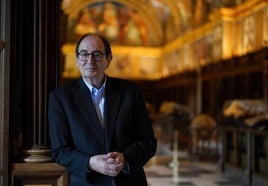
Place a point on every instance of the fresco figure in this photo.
(85, 24)
(109, 27)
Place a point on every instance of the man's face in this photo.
(92, 60)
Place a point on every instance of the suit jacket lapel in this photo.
(86, 106)
(112, 102)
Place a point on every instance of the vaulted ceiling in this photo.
(158, 21)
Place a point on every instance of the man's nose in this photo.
(90, 59)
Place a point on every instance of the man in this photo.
(99, 126)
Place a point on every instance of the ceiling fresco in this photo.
(139, 22)
(153, 39)
(118, 23)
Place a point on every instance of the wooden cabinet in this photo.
(39, 174)
(236, 153)
(245, 155)
(260, 158)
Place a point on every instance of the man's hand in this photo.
(109, 164)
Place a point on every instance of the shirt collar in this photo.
(90, 87)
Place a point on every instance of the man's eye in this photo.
(97, 54)
(85, 54)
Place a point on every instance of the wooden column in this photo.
(34, 65)
(4, 90)
(199, 90)
(265, 80)
(43, 68)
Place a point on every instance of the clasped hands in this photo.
(109, 164)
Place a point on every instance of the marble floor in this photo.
(188, 174)
(161, 171)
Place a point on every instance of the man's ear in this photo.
(109, 59)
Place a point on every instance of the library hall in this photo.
(134, 93)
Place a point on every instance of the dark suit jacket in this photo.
(76, 133)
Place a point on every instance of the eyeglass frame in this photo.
(92, 54)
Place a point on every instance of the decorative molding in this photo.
(37, 156)
(41, 174)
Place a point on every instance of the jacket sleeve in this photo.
(62, 148)
(144, 145)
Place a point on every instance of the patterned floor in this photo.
(160, 171)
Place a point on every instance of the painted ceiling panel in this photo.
(138, 22)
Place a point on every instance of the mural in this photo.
(172, 65)
(191, 56)
(217, 43)
(265, 26)
(121, 65)
(123, 25)
(118, 23)
(181, 49)
(248, 34)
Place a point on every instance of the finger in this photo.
(111, 160)
(113, 170)
(120, 158)
(112, 155)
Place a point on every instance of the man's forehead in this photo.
(91, 41)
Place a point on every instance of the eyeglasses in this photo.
(84, 55)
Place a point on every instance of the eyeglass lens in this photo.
(96, 55)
